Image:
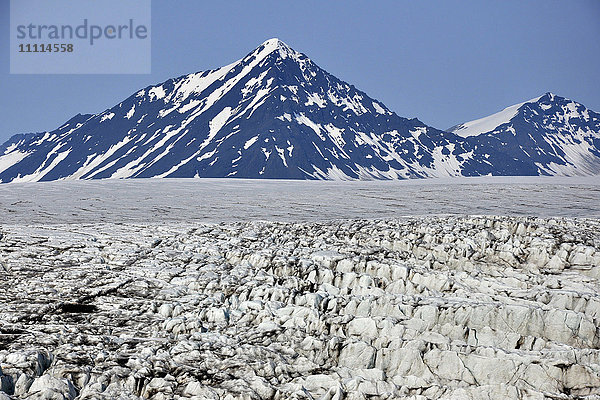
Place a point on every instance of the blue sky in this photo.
(444, 62)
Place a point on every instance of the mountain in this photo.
(272, 114)
(555, 135)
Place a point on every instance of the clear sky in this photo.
(444, 62)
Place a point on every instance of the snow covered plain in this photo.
(213, 289)
(218, 200)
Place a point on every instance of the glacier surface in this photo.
(253, 289)
(218, 200)
(412, 308)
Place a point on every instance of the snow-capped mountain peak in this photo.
(276, 45)
(197, 83)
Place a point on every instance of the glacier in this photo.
(451, 307)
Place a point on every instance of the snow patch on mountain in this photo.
(10, 158)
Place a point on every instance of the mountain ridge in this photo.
(272, 114)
